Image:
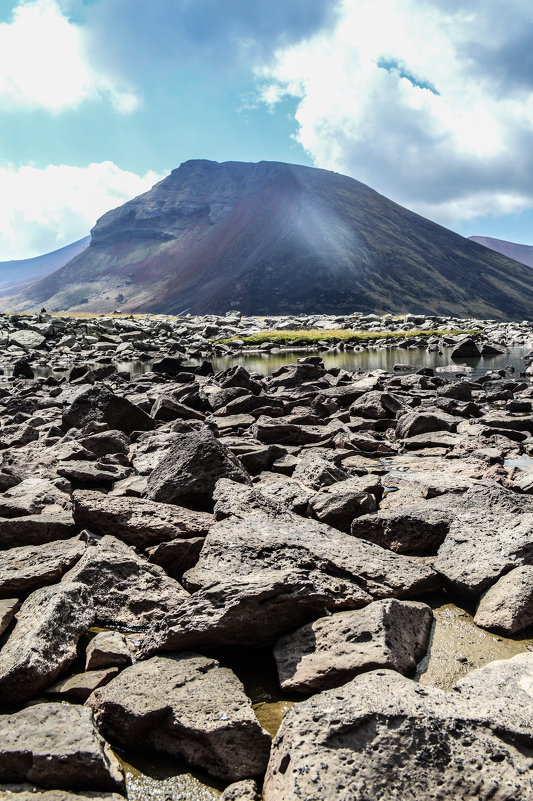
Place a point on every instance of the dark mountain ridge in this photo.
(19, 273)
(521, 253)
(275, 238)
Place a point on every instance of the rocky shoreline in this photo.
(151, 524)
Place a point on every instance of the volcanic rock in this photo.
(127, 590)
(332, 650)
(203, 715)
(43, 642)
(57, 745)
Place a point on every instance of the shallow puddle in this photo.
(159, 780)
(459, 646)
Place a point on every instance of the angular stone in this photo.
(340, 509)
(176, 556)
(376, 406)
(127, 590)
(316, 470)
(8, 608)
(383, 731)
(283, 431)
(43, 643)
(107, 649)
(33, 495)
(241, 791)
(100, 404)
(137, 521)
(189, 471)
(55, 745)
(481, 546)
(92, 472)
(29, 567)
(188, 707)
(29, 340)
(260, 541)
(413, 423)
(106, 442)
(332, 650)
(465, 349)
(508, 605)
(412, 530)
(250, 610)
(36, 529)
(81, 685)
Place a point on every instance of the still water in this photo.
(266, 363)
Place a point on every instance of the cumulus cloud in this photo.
(420, 100)
(43, 209)
(44, 63)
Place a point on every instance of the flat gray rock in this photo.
(36, 529)
(29, 567)
(127, 590)
(481, 546)
(332, 650)
(55, 745)
(137, 521)
(508, 605)
(260, 541)
(383, 731)
(44, 641)
(188, 707)
(79, 686)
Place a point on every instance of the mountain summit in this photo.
(274, 238)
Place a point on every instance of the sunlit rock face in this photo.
(274, 238)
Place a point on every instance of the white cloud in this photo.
(43, 209)
(414, 98)
(44, 63)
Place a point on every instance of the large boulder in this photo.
(56, 745)
(383, 733)
(261, 540)
(127, 590)
(508, 605)
(137, 521)
(189, 471)
(413, 423)
(44, 641)
(188, 707)
(481, 546)
(332, 650)
(97, 403)
(249, 610)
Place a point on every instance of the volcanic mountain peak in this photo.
(275, 238)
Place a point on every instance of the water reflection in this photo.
(266, 363)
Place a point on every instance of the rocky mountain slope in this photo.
(521, 253)
(273, 238)
(17, 274)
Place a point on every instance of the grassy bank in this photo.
(332, 336)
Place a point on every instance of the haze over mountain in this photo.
(275, 238)
(521, 253)
(19, 273)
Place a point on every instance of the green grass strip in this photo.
(332, 336)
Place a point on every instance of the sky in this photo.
(430, 102)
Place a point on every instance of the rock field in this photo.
(156, 527)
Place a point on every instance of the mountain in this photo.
(521, 253)
(274, 238)
(19, 273)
